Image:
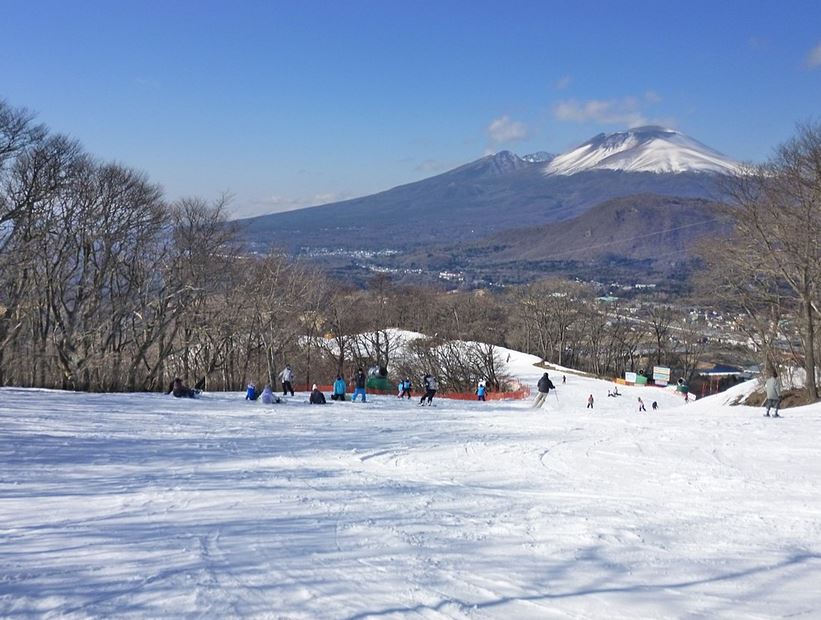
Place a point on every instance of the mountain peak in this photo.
(492, 165)
(642, 149)
(539, 157)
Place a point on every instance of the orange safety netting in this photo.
(519, 394)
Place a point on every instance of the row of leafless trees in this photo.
(104, 285)
(769, 271)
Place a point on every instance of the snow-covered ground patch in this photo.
(142, 505)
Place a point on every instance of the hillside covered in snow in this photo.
(142, 505)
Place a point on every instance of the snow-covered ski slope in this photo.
(146, 506)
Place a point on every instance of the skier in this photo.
(431, 385)
(481, 391)
(317, 397)
(359, 383)
(405, 384)
(251, 392)
(286, 376)
(773, 389)
(590, 402)
(641, 405)
(544, 386)
(339, 388)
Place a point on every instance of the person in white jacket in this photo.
(286, 376)
(773, 388)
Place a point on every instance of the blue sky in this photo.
(284, 104)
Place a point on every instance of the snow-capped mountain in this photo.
(643, 149)
(505, 192)
(540, 157)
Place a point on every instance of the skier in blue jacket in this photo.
(481, 391)
(251, 392)
(339, 388)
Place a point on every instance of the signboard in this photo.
(661, 375)
(630, 377)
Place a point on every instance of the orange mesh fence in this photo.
(520, 393)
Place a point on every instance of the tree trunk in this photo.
(809, 351)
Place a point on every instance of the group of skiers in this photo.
(340, 387)
(431, 386)
(772, 388)
(544, 386)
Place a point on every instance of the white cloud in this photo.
(563, 82)
(625, 111)
(652, 96)
(505, 129)
(814, 57)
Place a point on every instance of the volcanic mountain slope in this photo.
(649, 236)
(499, 192)
(637, 227)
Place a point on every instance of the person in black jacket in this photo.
(359, 383)
(431, 385)
(180, 390)
(317, 397)
(544, 386)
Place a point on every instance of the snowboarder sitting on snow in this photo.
(268, 397)
(544, 386)
(431, 385)
(339, 388)
(317, 397)
(655, 405)
(180, 390)
(251, 392)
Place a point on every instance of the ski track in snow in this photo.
(140, 505)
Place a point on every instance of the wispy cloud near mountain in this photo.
(505, 129)
(629, 111)
(814, 57)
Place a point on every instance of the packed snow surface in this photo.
(644, 149)
(142, 505)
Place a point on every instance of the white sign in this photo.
(661, 375)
